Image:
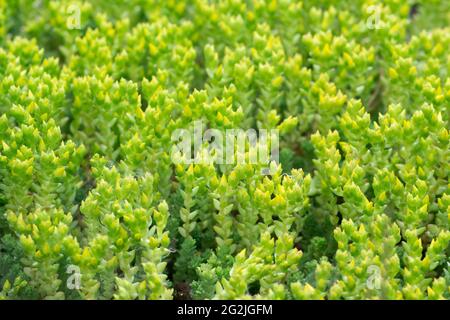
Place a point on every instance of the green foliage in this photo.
(94, 203)
(12, 271)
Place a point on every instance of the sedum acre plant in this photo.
(232, 149)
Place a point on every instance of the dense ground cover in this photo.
(94, 203)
